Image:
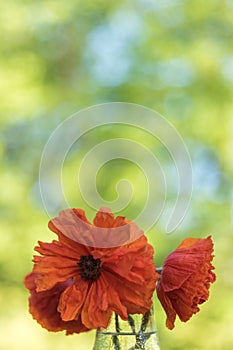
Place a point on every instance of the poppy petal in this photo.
(72, 299)
(167, 305)
(95, 311)
(43, 307)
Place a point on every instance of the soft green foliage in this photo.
(174, 56)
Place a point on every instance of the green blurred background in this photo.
(174, 56)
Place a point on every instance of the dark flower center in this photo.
(90, 268)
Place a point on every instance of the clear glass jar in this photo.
(138, 332)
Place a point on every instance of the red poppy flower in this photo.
(76, 287)
(185, 279)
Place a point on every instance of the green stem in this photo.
(115, 338)
(117, 323)
(145, 321)
(142, 337)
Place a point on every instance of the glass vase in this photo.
(138, 332)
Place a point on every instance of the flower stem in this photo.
(145, 321)
(141, 337)
(117, 323)
(131, 323)
(115, 338)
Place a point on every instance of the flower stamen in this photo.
(90, 268)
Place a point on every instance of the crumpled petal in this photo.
(96, 312)
(43, 307)
(72, 300)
